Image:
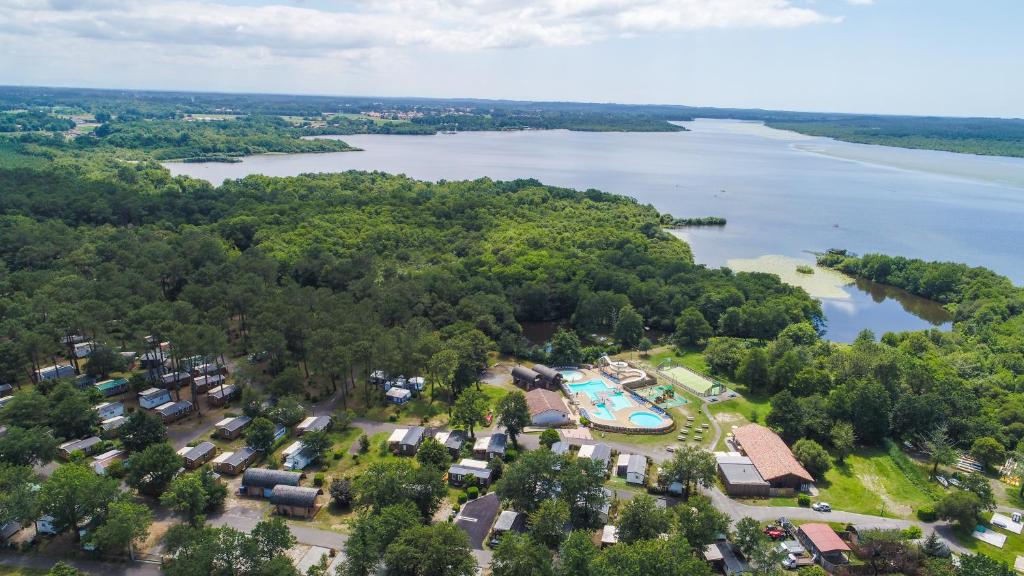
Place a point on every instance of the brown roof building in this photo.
(823, 543)
(772, 458)
(546, 408)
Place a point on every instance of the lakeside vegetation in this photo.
(985, 136)
(702, 221)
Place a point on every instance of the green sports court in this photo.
(690, 380)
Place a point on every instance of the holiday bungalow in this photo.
(295, 500)
(209, 381)
(395, 439)
(234, 463)
(633, 467)
(153, 397)
(508, 521)
(398, 395)
(196, 456)
(489, 447)
(597, 452)
(466, 469)
(113, 387)
(103, 461)
(452, 440)
(231, 428)
(297, 457)
(260, 482)
(313, 424)
(174, 411)
(207, 370)
(85, 445)
(173, 380)
(108, 410)
(54, 372)
(409, 443)
(110, 425)
(222, 394)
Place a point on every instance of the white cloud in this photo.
(357, 26)
(860, 2)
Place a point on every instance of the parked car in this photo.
(774, 532)
(789, 562)
(821, 507)
(942, 480)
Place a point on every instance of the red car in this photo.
(774, 532)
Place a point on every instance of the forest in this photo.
(342, 115)
(361, 265)
(986, 136)
(939, 391)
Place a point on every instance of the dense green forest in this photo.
(380, 262)
(988, 136)
(961, 389)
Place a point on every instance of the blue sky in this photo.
(941, 57)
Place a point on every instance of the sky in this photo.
(928, 57)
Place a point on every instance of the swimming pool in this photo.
(601, 412)
(571, 375)
(646, 419)
(592, 388)
(620, 401)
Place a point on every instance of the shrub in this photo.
(364, 443)
(456, 508)
(463, 498)
(338, 454)
(393, 418)
(318, 479)
(341, 491)
(912, 532)
(511, 454)
(803, 500)
(584, 421)
(927, 514)
(473, 492)
(116, 469)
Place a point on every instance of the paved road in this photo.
(89, 566)
(303, 533)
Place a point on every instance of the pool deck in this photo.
(610, 408)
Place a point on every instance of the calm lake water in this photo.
(782, 193)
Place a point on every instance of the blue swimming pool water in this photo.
(645, 419)
(601, 412)
(571, 375)
(620, 401)
(591, 387)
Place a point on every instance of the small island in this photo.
(672, 222)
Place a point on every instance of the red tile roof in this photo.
(769, 453)
(540, 401)
(824, 538)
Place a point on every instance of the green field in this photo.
(689, 379)
(870, 482)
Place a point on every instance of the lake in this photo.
(783, 194)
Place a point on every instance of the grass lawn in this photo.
(1008, 553)
(350, 466)
(419, 411)
(869, 482)
(692, 358)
